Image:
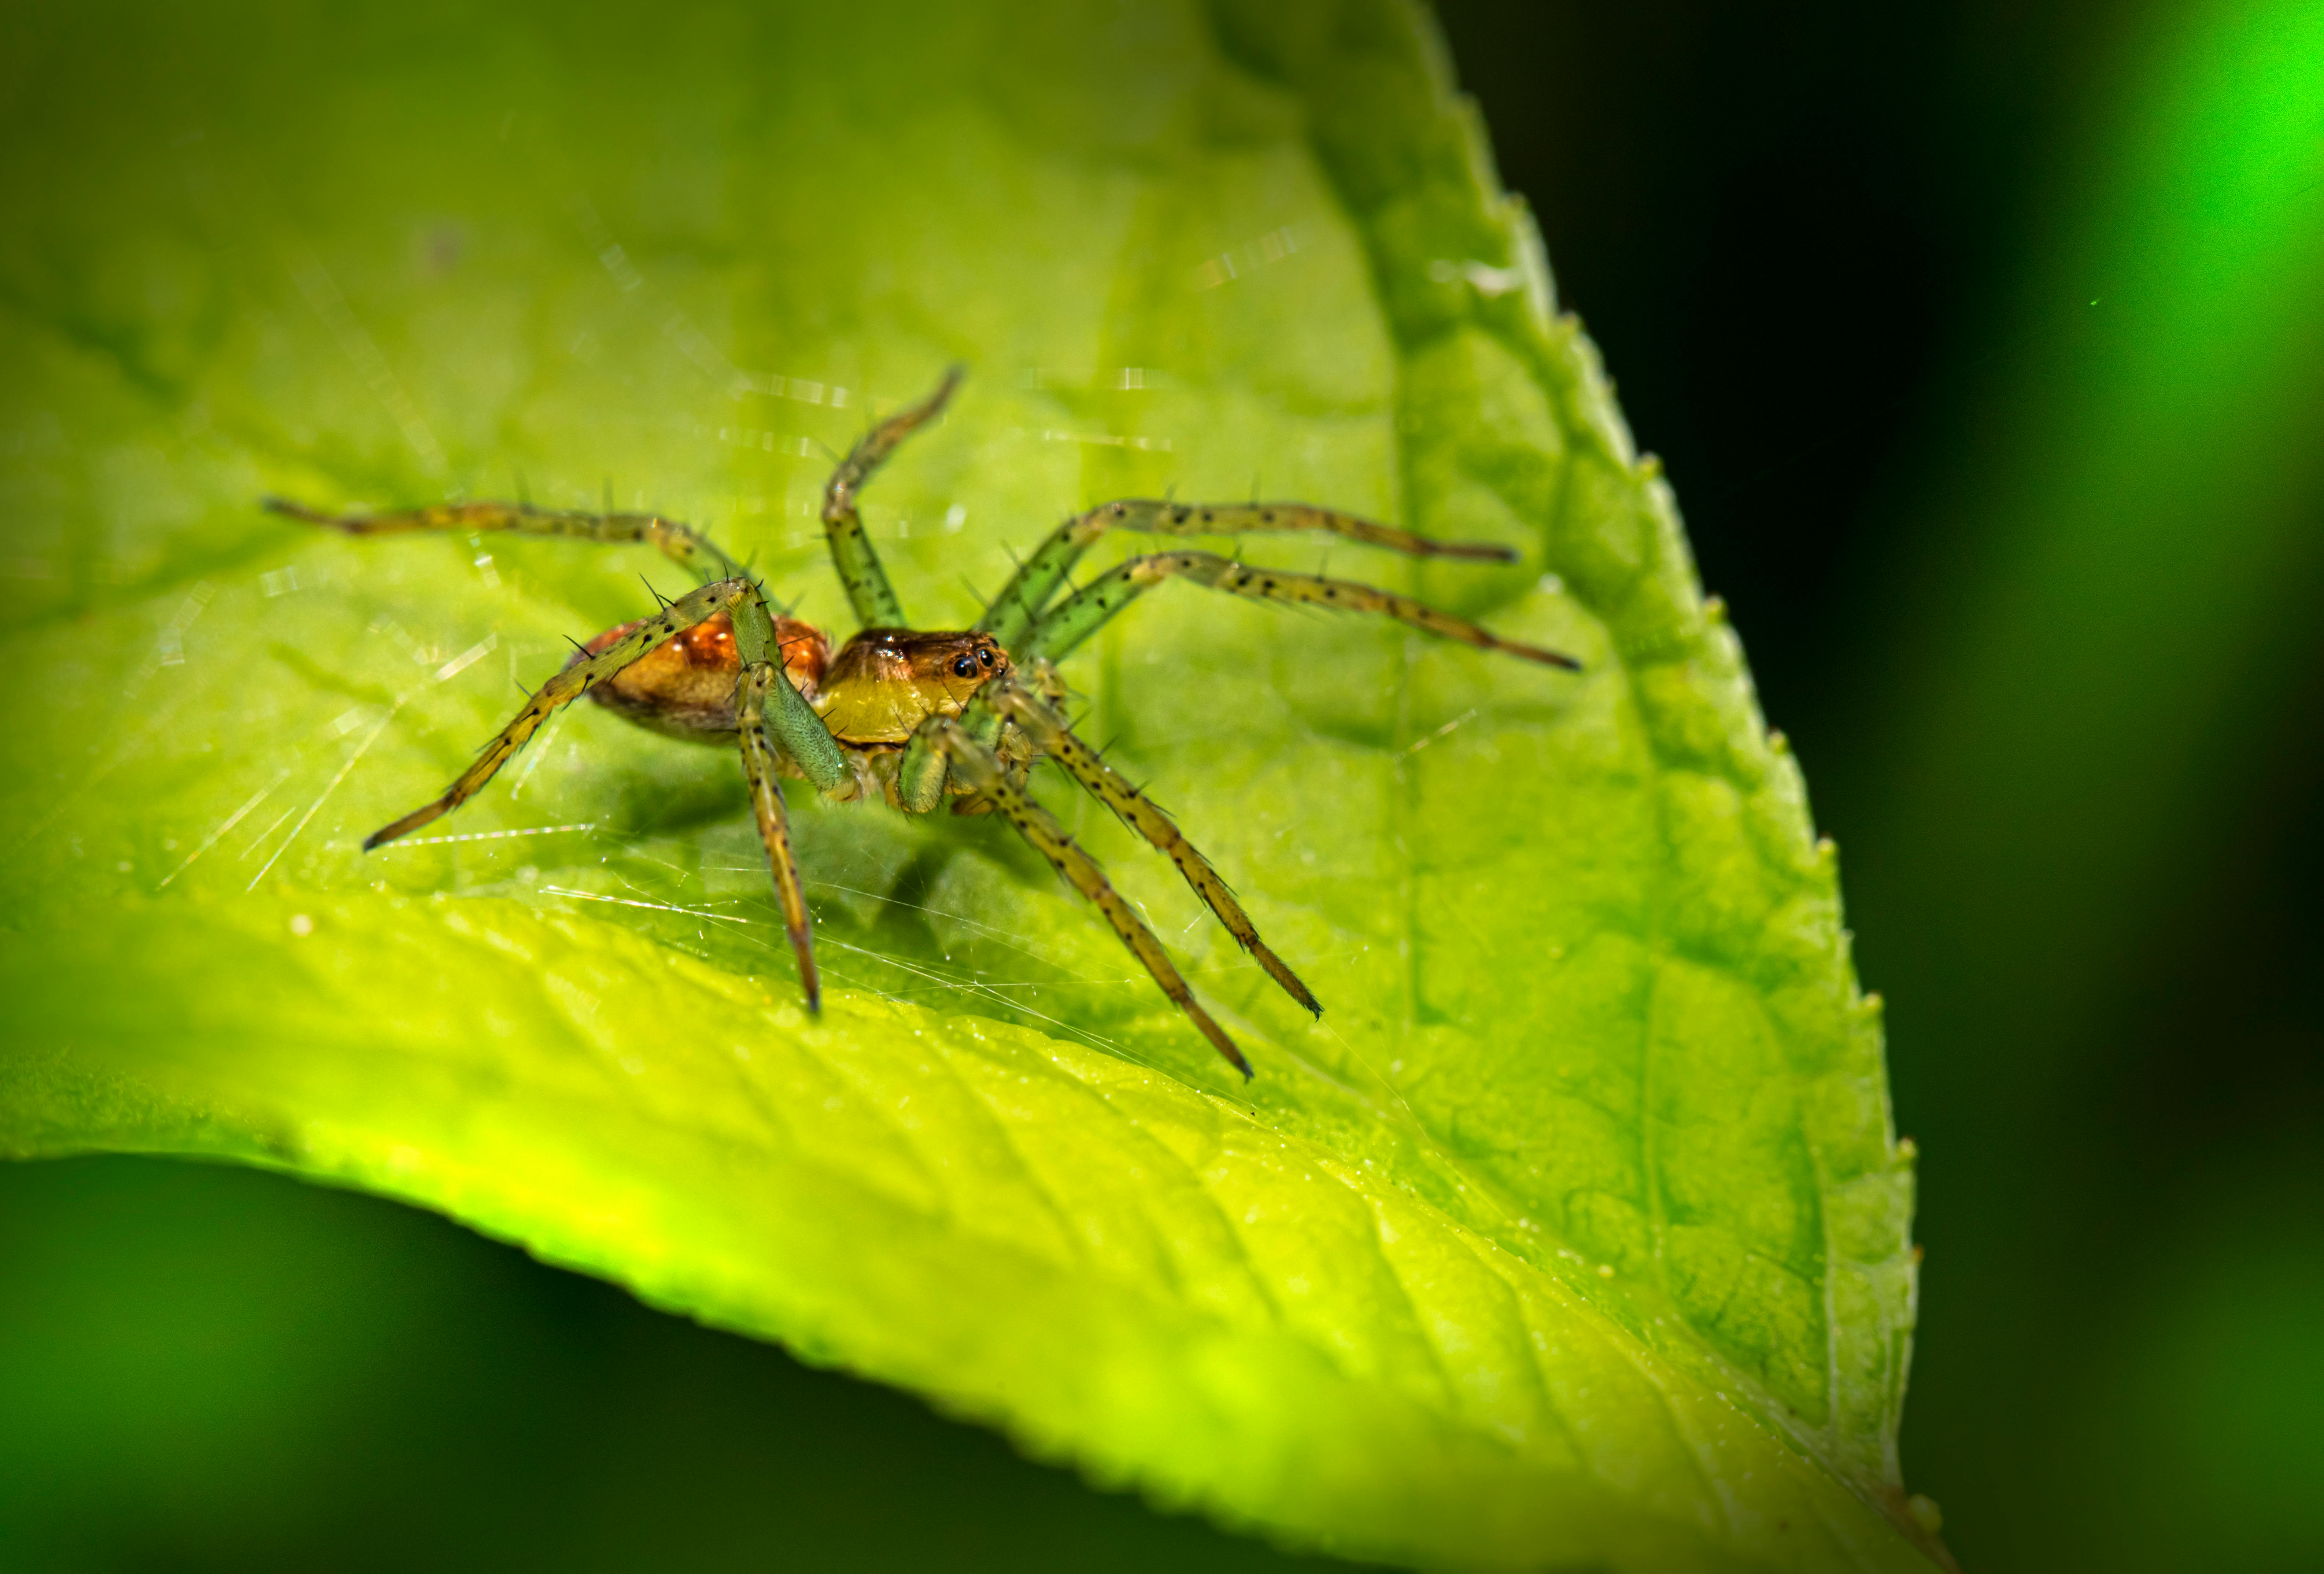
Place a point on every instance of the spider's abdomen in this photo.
(685, 686)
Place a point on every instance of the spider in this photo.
(910, 715)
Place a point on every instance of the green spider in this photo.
(910, 715)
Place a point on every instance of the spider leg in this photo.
(1089, 609)
(754, 636)
(868, 590)
(795, 724)
(1019, 606)
(1050, 734)
(680, 543)
(984, 771)
(758, 762)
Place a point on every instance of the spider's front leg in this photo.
(1051, 736)
(983, 770)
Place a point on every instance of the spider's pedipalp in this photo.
(1142, 815)
(1098, 602)
(1019, 604)
(983, 770)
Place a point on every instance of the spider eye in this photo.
(964, 668)
(984, 655)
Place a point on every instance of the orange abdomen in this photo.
(685, 686)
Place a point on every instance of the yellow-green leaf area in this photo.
(1574, 1232)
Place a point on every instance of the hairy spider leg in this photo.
(1021, 600)
(1089, 609)
(984, 771)
(758, 763)
(824, 765)
(1050, 734)
(866, 583)
(680, 543)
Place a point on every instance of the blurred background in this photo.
(1985, 346)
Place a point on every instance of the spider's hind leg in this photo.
(681, 544)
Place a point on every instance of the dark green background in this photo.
(1838, 259)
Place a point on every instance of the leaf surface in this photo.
(1574, 1230)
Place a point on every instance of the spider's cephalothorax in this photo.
(911, 715)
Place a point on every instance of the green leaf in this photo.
(1575, 1229)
